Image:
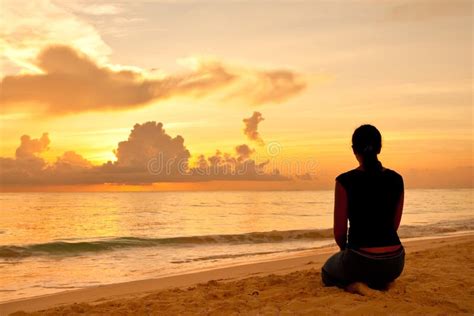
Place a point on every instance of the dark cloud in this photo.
(30, 147)
(148, 155)
(251, 127)
(72, 160)
(28, 168)
(238, 166)
(147, 141)
(71, 82)
(26, 161)
(243, 152)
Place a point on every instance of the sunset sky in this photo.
(277, 85)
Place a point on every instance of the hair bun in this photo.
(368, 149)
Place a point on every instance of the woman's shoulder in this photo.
(394, 177)
(392, 173)
(347, 173)
(357, 172)
(345, 176)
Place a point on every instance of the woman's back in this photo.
(372, 199)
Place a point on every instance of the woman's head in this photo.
(366, 144)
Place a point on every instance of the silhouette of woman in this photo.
(370, 197)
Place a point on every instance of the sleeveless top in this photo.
(372, 202)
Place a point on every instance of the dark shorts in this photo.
(348, 266)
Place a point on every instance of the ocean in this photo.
(51, 242)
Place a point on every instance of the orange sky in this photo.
(87, 72)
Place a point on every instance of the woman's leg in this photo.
(375, 272)
(388, 272)
(332, 273)
(348, 266)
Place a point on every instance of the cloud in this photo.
(266, 87)
(70, 159)
(429, 9)
(85, 7)
(27, 27)
(243, 152)
(238, 166)
(30, 147)
(305, 176)
(26, 154)
(150, 150)
(71, 82)
(28, 168)
(251, 127)
(149, 155)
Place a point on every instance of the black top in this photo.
(372, 201)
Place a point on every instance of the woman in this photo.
(371, 198)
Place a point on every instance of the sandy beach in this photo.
(437, 280)
(178, 157)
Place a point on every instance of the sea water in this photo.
(51, 242)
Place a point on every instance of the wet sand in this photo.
(438, 279)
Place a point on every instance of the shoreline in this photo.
(310, 259)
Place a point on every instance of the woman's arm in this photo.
(340, 216)
(399, 211)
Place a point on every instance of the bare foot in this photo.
(361, 289)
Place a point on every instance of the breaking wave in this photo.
(74, 248)
(66, 248)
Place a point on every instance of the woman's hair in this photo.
(367, 142)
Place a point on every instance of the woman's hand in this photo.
(399, 211)
(340, 216)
